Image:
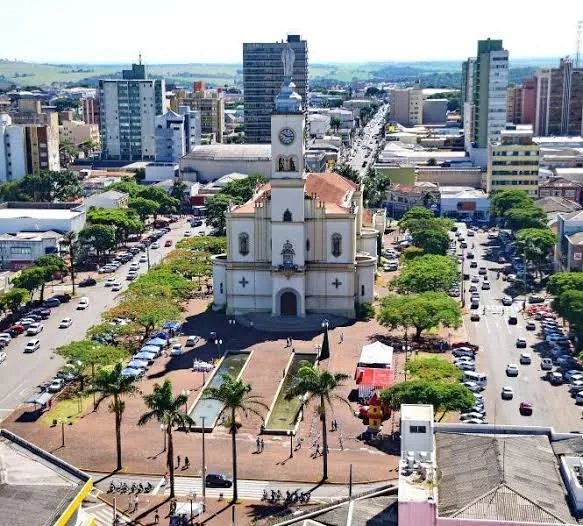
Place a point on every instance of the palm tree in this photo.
(167, 410)
(335, 123)
(70, 241)
(111, 383)
(236, 400)
(318, 385)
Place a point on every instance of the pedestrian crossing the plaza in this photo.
(103, 514)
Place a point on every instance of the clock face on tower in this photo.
(286, 136)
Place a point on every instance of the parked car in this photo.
(87, 282)
(15, 330)
(56, 385)
(51, 303)
(554, 378)
(2, 356)
(546, 364)
(536, 299)
(5, 337)
(176, 350)
(217, 480)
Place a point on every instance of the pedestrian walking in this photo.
(257, 445)
(136, 502)
(299, 441)
(317, 452)
(186, 463)
(166, 478)
(341, 337)
(262, 445)
(178, 461)
(156, 517)
(131, 503)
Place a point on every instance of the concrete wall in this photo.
(454, 177)
(207, 170)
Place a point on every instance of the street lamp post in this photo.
(186, 393)
(62, 422)
(203, 469)
(148, 254)
(163, 429)
(291, 443)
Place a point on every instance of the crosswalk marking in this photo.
(103, 514)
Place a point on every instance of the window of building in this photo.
(307, 245)
(418, 429)
(288, 254)
(221, 288)
(21, 251)
(287, 216)
(243, 244)
(362, 290)
(336, 245)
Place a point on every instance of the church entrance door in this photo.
(288, 304)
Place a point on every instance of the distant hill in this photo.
(432, 73)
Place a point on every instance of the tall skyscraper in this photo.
(487, 75)
(559, 100)
(262, 77)
(127, 111)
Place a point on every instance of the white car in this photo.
(2, 356)
(109, 282)
(154, 246)
(473, 386)
(576, 386)
(191, 341)
(134, 266)
(567, 375)
(116, 287)
(83, 303)
(512, 369)
(5, 337)
(525, 358)
(507, 301)
(576, 378)
(187, 233)
(35, 328)
(469, 416)
(65, 323)
(143, 258)
(176, 350)
(507, 393)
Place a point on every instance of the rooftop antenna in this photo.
(140, 58)
(578, 53)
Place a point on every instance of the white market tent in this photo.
(184, 508)
(376, 355)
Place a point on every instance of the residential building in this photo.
(39, 488)
(561, 187)
(319, 124)
(207, 163)
(514, 104)
(488, 80)
(559, 100)
(41, 217)
(434, 111)
(262, 76)
(463, 474)
(211, 108)
(513, 161)
(402, 197)
(111, 199)
(467, 87)
(170, 137)
(20, 250)
(13, 157)
(160, 171)
(90, 109)
(407, 105)
(127, 113)
(77, 132)
(569, 247)
(299, 245)
(528, 101)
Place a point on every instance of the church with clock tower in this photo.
(299, 245)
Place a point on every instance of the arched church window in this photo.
(288, 254)
(281, 164)
(292, 164)
(307, 245)
(336, 245)
(243, 244)
(287, 216)
(221, 288)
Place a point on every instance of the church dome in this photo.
(288, 100)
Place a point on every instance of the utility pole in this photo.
(203, 470)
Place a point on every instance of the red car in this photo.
(525, 408)
(17, 328)
(168, 243)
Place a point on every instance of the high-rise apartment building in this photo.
(559, 100)
(514, 105)
(212, 112)
(487, 75)
(90, 107)
(262, 78)
(407, 105)
(176, 134)
(27, 148)
(528, 103)
(128, 109)
(513, 161)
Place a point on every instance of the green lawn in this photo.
(67, 410)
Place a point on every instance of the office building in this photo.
(176, 134)
(211, 108)
(434, 111)
(262, 78)
(514, 105)
(77, 132)
(127, 111)
(528, 101)
(486, 77)
(513, 161)
(90, 108)
(559, 100)
(407, 105)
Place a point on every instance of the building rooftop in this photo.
(36, 488)
(562, 182)
(231, 152)
(111, 194)
(39, 213)
(461, 192)
(575, 239)
(553, 203)
(416, 412)
(500, 478)
(30, 236)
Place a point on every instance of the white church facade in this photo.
(299, 245)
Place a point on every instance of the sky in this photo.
(195, 31)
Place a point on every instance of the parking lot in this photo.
(496, 336)
(21, 373)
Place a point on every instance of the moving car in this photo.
(512, 369)
(134, 266)
(525, 358)
(168, 243)
(473, 264)
(131, 276)
(512, 319)
(109, 282)
(116, 286)
(65, 323)
(486, 285)
(525, 408)
(176, 350)
(475, 317)
(521, 343)
(482, 271)
(2, 356)
(191, 341)
(507, 301)
(143, 258)
(507, 393)
(83, 303)
(217, 480)
(87, 282)
(34, 329)
(32, 346)
(530, 325)
(475, 279)
(51, 302)
(391, 266)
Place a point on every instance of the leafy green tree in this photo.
(508, 199)
(432, 240)
(30, 279)
(423, 311)
(237, 402)
(112, 332)
(68, 152)
(143, 207)
(127, 186)
(335, 124)
(520, 218)
(100, 237)
(411, 253)
(433, 368)
(346, 171)
(124, 220)
(110, 383)
(564, 281)
(535, 244)
(166, 204)
(167, 410)
(319, 385)
(427, 273)
(161, 279)
(178, 189)
(442, 396)
(569, 305)
(70, 242)
(14, 298)
(242, 190)
(211, 244)
(50, 265)
(48, 186)
(66, 104)
(216, 211)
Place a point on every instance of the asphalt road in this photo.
(553, 406)
(21, 374)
